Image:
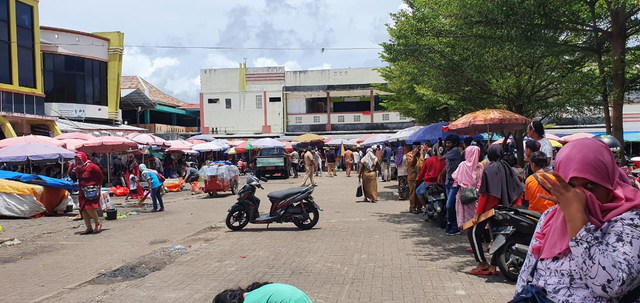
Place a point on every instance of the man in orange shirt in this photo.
(532, 187)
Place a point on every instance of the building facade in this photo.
(270, 100)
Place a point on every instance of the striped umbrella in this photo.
(488, 121)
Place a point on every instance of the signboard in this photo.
(74, 111)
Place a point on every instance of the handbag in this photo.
(469, 194)
(359, 190)
(530, 293)
(91, 192)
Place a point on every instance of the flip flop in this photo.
(479, 272)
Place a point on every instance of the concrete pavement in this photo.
(358, 252)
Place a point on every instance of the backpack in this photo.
(160, 177)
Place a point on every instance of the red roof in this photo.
(133, 82)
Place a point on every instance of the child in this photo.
(133, 184)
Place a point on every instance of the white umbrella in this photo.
(339, 142)
(404, 134)
(209, 147)
(267, 143)
(381, 138)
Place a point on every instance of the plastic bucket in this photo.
(69, 208)
(112, 214)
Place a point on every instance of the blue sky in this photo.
(308, 24)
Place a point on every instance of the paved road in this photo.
(358, 252)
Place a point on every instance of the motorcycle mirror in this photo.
(263, 179)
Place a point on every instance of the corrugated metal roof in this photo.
(68, 126)
(133, 82)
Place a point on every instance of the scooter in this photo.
(512, 230)
(436, 201)
(242, 167)
(290, 205)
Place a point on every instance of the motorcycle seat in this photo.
(285, 194)
(531, 213)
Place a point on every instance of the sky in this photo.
(308, 24)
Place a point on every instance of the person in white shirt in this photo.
(535, 131)
(356, 159)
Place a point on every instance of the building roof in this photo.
(156, 95)
(76, 126)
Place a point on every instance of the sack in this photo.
(531, 294)
(91, 192)
(121, 191)
(468, 195)
(359, 191)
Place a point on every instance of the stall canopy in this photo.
(34, 153)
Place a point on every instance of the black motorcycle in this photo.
(512, 230)
(436, 201)
(290, 205)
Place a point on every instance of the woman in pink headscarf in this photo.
(468, 174)
(588, 246)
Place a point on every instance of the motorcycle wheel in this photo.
(237, 220)
(234, 187)
(314, 216)
(508, 262)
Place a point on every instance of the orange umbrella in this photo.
(488, 121)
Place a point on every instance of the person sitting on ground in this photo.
(190, 175)
(428, 176)
(532, 185)
(265, 292)
(587, 248)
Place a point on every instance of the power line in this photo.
(321, 49)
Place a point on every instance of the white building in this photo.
(270, 100)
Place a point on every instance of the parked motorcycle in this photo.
(436, 201)
(512, 230)
(290, 205)
(243, 167)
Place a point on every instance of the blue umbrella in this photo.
(430, 133)
(34, 152)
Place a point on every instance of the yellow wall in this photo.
(14, 50)
(116, 49)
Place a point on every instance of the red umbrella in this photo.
(75, 136)
(150, 140)
(103, 145)
(287, 146)
(194, 142)
(488, 121)
(365, 137)
(71, 144)
(131, 135)
(244, 147)
(30, 139)
(178, 145)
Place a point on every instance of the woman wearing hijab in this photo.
(401, 166)
(499, 186)
(88, 174)
(468, 174)
(588, 246)
(367, 175)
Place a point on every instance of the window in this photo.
(26, 46)
(258, 101)
(385, 117)
(21, 104)
(356, 118)
(213, 101)
(299, 120)
(402, 117)
(227, 103)
(275, 99)
(340, 118)
(316, 119)
(69, 79)
(5, 45)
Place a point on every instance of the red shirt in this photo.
(431, 170)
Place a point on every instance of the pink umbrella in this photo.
(553, 137)
(30, 139)
(71, 144)
(75, 136)
(131, 135)
(103, 145)
(577, 136)
(177, 145)
(194, 142)
(287, 146)
(151, 140)
(365, 137)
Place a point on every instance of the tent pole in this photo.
(109, 167)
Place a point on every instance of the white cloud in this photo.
(135, 63)
(323, 66)
(289, 65)
(219, 61)
(403, 6)
(183, 85)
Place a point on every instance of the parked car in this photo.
(271, 161)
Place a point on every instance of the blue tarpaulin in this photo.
(36, 179)
(431, 133)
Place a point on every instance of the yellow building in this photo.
(49, 73)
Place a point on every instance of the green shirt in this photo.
(276, 293)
